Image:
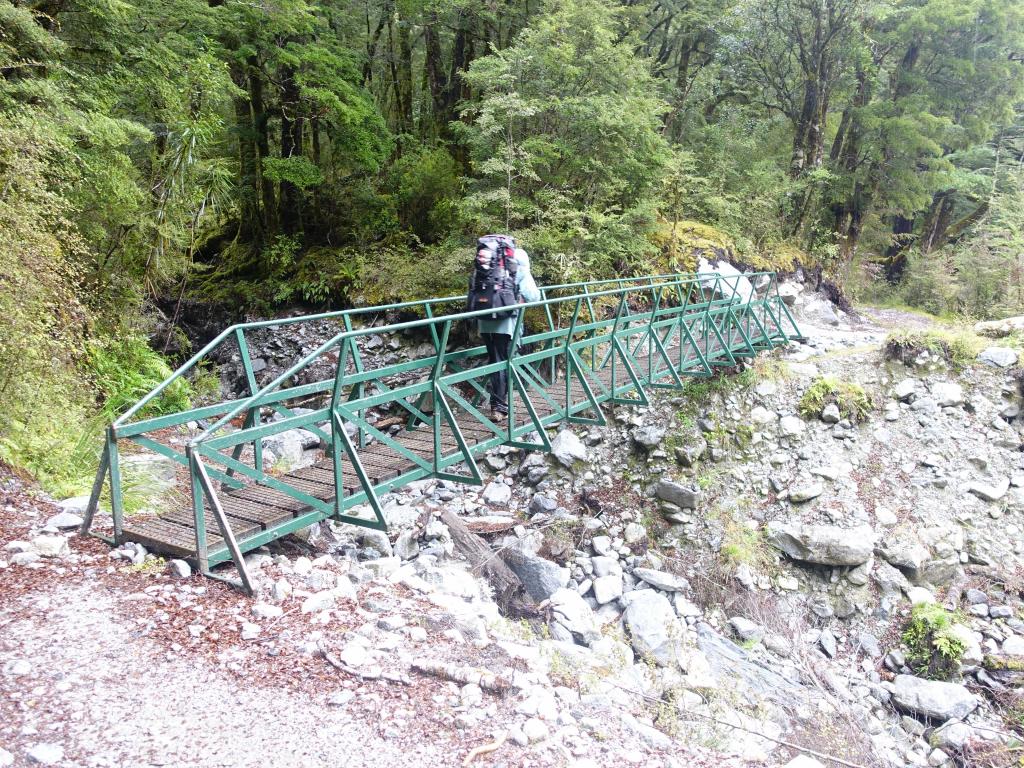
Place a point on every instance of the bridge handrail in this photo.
(699, 278)
(193, 361)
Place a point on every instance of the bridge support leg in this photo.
(225, 531)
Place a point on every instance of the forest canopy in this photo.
(255, 155)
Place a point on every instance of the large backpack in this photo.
(492, 282)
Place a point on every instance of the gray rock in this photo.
(734, 668)
(827, 641)
(568, 449)
(990, 491)
(1002, 357)
(947, 394)
(690, 452)
(823, 544)
(678, 494)
(571, 613)
(497, 494)
(652, 625)
(65, 520)
(50, 546)
(6, 758)
(634, 533)
(406, 547)
(791, 426)
(179, 569)
(541, 578)
(806, 492)
(661, 580)
(648, 436)
(830, 414)
(607, 588)
(376, 540)
(46, 753)
(932, 698)
(746, 630)
(542, 504)
(905, 390)
(869, 645)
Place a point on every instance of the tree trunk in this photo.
(260, 121)
(249, 225)
(291, 146)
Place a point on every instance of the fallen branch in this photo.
(488, 681)
(508, 589)
(393, 677)
(484, 749)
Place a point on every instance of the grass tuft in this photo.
(853, 402)
(958, 347)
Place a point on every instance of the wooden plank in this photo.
(167, 537)
(269, 497)
(239, 527)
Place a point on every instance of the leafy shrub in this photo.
(125, 370)
(853, 402)
(934, 649)
(958, 347)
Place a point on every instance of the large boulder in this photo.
(572, 619)
(734, 283)
(932, 698)
(653, 627)
(1002, 357)
(677, 493)
(541, 577)
(824, 544)
(568, 449)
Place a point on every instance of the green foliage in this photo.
(958, 346)
(125, 369)
(853, 402)
(934, 649)
(743, 545)
(565, 142)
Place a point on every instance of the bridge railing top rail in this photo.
(713, 280)
(427, 305)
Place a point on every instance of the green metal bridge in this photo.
(577, 348)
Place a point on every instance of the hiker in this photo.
(513, 284)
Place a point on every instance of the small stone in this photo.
(830, 414)
(46, 754)
(746, 630)
(535, 730)
(601, 544)
(250, 631)
(50, 546)
(634, 533)
(542, 504)
(65, 520)
(791, 426)
(806, 493)
(661, 580)
(678, 494)
(990, 491)
(6, 758)
(497, 494)
(827, 641)
(319, 601)
(607, 588)
(267, 611)
(341, 698)
(179, 569)
(17, 668)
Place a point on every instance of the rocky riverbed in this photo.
(725, 577)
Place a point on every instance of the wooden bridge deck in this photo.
(257, 508)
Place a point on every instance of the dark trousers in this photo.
(497, 352)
